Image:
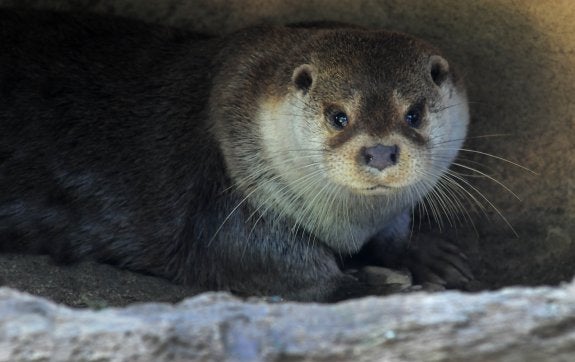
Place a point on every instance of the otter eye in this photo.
(339, 120)
(413, 117)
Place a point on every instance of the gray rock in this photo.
(515, 324)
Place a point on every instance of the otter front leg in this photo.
(434, 261)
(316, 277)
(273, 263)
(338, 286)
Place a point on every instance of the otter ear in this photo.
(438, 69)
(303, 77)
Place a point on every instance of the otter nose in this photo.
(380, 156)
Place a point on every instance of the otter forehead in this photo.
(372, 60)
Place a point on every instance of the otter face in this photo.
(371, 127)
(378, 141)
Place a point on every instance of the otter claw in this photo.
(438, 261)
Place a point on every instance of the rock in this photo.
(514, 324)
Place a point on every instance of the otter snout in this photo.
(380, 156)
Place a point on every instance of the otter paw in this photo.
(438, 262)
(382, 281)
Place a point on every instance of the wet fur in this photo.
(126, 143)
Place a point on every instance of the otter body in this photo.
(259, 162)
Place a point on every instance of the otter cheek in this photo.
(451, 124)
(341, 169)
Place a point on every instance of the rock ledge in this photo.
(514, 324)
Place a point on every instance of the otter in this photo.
(273, 161)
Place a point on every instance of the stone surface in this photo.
(86, 284)
(508, 325)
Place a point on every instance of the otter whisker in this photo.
(431, 197)
(232, 212)
(300, 180)
(441, 109)
(460, 159)
(318, 215)
(259, 172)
(283, 193)
(422, 208)
(496, 157)
(488, 202)
(492, 135)
(449, 208)
(453, 179)
(259, 186)
(453, 206)
(294, 183)
(441, 136)
(454, 194)
(483, 174)
(456, 187)
(473, 174)
(270, 205)
(293, 199)
(490, 178)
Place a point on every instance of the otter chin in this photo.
(270, 161)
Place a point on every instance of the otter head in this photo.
(357, 128)
(379, 114)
